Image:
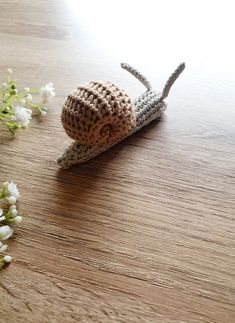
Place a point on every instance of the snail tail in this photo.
(171, 80)
(137, 74)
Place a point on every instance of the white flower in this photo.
(10, 192)
(13, 190)
(22, 116)
(9, 70)
(14, 213)
(11, 200)
(13, 210)
(5, 232)
(3, 247)
(47, 92)
(22, 101)
(18, 219)
(7, 259)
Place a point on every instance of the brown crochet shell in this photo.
(98, 113)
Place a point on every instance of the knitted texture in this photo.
(98, 113)
(171, 80)
(137, 74)
(146, 109)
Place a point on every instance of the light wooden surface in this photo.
(144, 232)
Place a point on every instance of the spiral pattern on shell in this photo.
(98, 113)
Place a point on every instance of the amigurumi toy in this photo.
(100, 114)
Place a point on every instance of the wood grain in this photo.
(144, 232)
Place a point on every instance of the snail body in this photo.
(100, 114)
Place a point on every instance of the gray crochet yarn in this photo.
(146, 108)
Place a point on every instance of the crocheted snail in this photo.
(100, 114)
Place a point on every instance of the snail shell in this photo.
(99, 113)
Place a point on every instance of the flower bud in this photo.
(18, 219)
(5, 185)
(14, 212)
(7, 259)
(5, 232)
(3, 247)
(11, 200)
(14, 92)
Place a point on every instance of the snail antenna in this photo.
(171, 80)
(137, 74)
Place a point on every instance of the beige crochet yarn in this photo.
(100, 114)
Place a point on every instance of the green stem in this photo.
(5, 100)
(33, 105)
(8, 125)
(5, 116)
(34, 91)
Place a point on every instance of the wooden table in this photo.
(144, 232)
